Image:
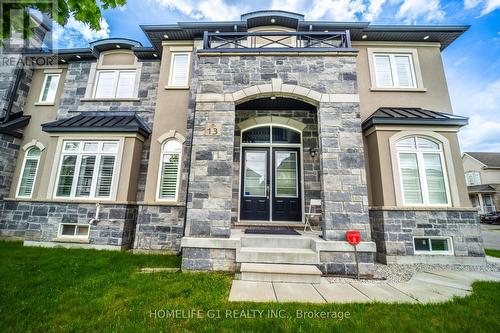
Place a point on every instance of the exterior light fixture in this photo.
(426, 37)
(165, 36)
(313, 151)
(62, 60)
(155, 55)
(326, 30)
(118, 46)
(78, 56)
(273, 20)
(217, 31)
(364, 36)
(273, 97)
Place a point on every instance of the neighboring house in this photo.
(221, 126)
(482, 173)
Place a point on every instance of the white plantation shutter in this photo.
(169, 173)
(29, 172)
(180, 69)
(105, 179)
(403, 70)
(85, 176)
(410, 178)
(383, 71)
(105, 84)
(50, 88)
(435, 178)
(126, 82)
(66, 175)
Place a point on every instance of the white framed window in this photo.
(29, 172)
(473, 178)
(115, 84)
(169, 174)
(488, 204)
(73, 230)
(179, 69)
(422, 172)
(87, 169)
(49, 88)
(433, 245)
(394, 70)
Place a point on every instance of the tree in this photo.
(86, 11)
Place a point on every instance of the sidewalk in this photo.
(424, 287)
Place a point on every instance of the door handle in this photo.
(267, 191)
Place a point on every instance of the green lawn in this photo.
(493, 253)
(59, 290)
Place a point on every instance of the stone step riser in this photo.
(280, 277)
(275, 242)
(278, 258)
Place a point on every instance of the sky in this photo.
(472, 63)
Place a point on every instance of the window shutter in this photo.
(85, 176)
(180, 68)
(66, 175)
(28, 178)
(105, 180)
(105, 85)
(169, 174)
(410, 178)
(126, 82)
(383, 71)
(403, 70)
(435, 179)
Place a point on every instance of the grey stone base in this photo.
(70, 245)
(159, 229)
(205, 259)
(344, 263)
(432, 259)
(39, 221)
(393, 232)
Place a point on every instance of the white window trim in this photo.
(60, 235)
(415, 65)
(171, 70)
(431, 252)
(394, 72)
(422, 175)
(115, 83)
(117, 170)
(179, 171)
(38, 158)
(447, 163)
(40, 101)
(472, 173)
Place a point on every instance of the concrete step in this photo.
(268, 241)
(277, 255)
(280, 273)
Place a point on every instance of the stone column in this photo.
(343, 177)
(211, 178)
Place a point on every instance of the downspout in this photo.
(11, 96)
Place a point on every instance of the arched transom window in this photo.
(29, 171)
(422, 171)
(271, 134)
(169, 170)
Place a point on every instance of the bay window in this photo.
(169, 170)
(29, 172)
(422, 172)
(87, 169)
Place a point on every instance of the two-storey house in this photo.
(222, 133)
(482, 174)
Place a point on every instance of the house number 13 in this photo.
(212, 129)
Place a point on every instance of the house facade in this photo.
(222, 127)
(482, 174)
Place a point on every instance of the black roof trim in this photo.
(100, 122)
(412, 116)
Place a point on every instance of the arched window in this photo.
(168, 186)
(422, 171)
(29, 171)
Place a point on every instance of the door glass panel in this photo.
(286, 174)
(285, 135)
(257, 135)
(255, 174)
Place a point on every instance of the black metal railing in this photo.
(276, 41)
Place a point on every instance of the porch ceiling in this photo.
(279, 103)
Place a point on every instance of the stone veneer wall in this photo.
(9, 151)
(39, 221)
(311, 166)
(344, 263)
(393, 232)
(203, 259)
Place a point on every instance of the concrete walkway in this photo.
(424, 287)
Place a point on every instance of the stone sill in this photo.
(71, 240)
(107, 202)
(161, 203)
(44, 104)
(176, 88)
(133, 99)
(400, 89)
(419, 208)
